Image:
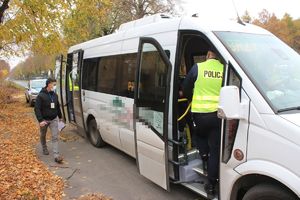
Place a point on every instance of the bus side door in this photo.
(60, 76)
(152, 88)
(76, 84)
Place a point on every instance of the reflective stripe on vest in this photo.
(207, 87)
(207, 98)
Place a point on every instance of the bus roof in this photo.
(161, 23)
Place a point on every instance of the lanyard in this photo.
(51, 97)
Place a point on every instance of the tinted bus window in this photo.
(127, 75)
(107, 75)
(89, 76)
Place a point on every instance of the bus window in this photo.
(153, 77)
(89, 74)
(107, 82)
(127, 75)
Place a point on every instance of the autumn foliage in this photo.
(286, 28)
(22, 174)
(4, 69)
(6, 91)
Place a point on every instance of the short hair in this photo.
(50, 80)
(211, 49)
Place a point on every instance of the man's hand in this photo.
(61, 120)
(43, 123)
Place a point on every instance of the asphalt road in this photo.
(87, 169)
(21, 82)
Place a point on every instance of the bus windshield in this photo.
(272, 65)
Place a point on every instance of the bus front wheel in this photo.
(268, 192)
(94, 134)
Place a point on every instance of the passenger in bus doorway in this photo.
(47, 112)
(205, 81)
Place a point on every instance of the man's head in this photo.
(211, 54)
(50, 84)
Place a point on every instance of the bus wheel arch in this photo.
(93, 132)
(252, 185)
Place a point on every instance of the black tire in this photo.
(268, 192)
(27, 100)
(94, 134)
(31, 103)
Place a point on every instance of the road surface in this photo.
(21, 82)
(106, 170)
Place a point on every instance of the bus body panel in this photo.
(227, 180)
(263, 143)
(271, 169)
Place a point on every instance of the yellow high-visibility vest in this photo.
(76, 87)
(207, 87)
(70, 82)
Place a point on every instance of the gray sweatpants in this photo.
(53, 125)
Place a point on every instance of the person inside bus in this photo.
(47, 111)
(70, 96)
(204, 80)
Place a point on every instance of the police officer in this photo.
(70, 96)
(204, 80)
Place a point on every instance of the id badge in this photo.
(52, 105)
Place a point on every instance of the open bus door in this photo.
(60, 76)
(152, 88)
(77, 62)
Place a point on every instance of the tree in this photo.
(246, 17)
(107, 16)
(4, 69)
(31, 25)
(286, 28)
(34, 65)
(86, 20)
(4, 6)
(296, 42)
(136, 9)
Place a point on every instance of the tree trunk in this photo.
(3, 7)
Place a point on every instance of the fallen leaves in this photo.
(22, 174)
(65, 137)
(6, 92)
(94, 196)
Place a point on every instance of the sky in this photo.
(226, 9)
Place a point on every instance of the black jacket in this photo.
(189, 82)
(42, 108)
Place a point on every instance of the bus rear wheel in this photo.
(94, 134)
(268, 192)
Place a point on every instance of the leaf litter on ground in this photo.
(22, 174)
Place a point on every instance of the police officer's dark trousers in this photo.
(208, 141)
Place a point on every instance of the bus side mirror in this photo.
(230, 106)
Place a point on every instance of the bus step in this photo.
(200, 171)
(198, 188)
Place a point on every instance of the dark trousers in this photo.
(208, 136)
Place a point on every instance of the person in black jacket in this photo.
(47, 112)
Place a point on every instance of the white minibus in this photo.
(122, 90)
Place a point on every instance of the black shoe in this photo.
(58, 159)
(210, 190)
(45, 151)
